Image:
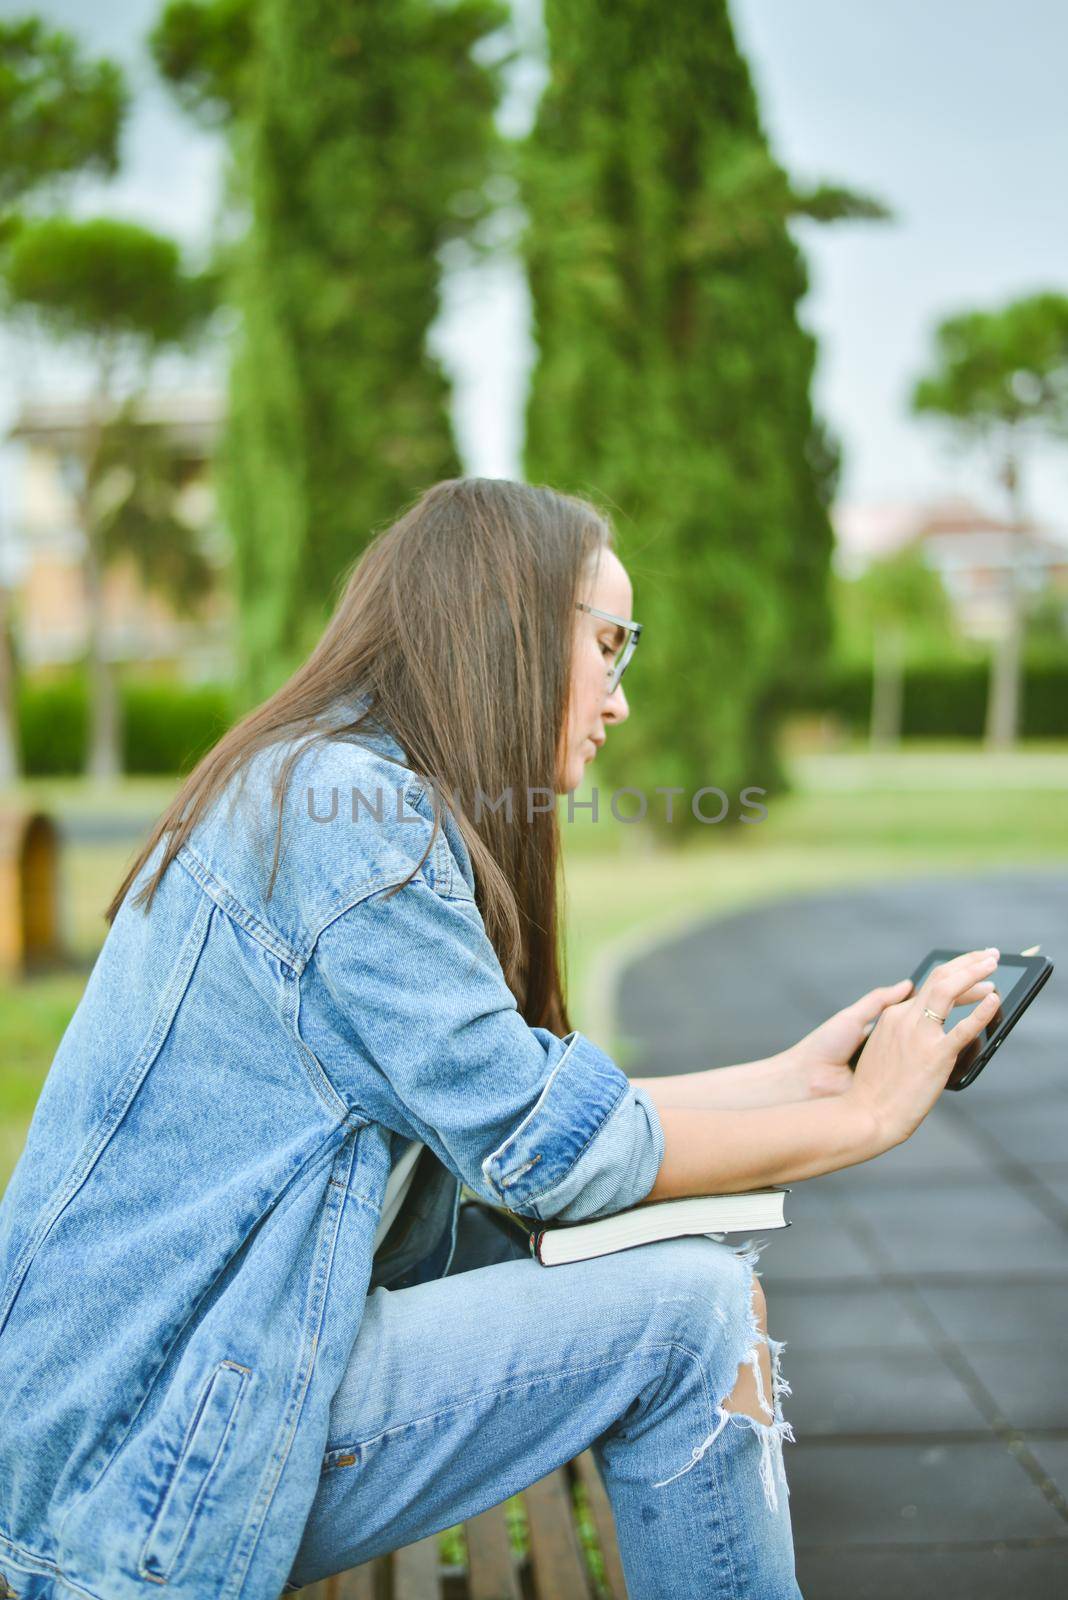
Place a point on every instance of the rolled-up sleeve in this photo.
(437, 1049)
(591, 1144)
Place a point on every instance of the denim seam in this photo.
(371, 893)
(525, 1383)
(390, 877)
(374, 886)
(177, 986)
(499, 1155)
(297, 956)
(170, 1489)
(440, 854)
(338, 1103)
(287, 1196)
(354, 895)
(606, 1118)
(742, 1419)
(41, 1566)
(727, 1544)
(501, 1152)
(224, 897)
(456, 884)
(540, 1194)
(339, 1109)
(311, 1330)
(297, 959)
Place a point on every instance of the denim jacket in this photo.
(186, 1244)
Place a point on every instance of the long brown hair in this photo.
(457, 622)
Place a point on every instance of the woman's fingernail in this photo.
(985, 987)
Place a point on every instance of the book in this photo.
(712, 1214)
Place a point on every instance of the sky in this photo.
(952, 114)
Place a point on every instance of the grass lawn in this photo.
(853, 818)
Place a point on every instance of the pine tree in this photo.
(673, 378)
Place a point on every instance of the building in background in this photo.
(42, 561)
(973, 553)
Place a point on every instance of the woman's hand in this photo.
(821, 1059)
(904, 1066)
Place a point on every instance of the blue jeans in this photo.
(466, 1389)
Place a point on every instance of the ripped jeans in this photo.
(464, 1390)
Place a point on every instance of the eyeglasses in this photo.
(625, 650)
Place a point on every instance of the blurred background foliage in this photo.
(59, 113)
(673, 377)
(998, 380)
(338, 415)
(672, 381)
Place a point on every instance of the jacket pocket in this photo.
(206, 1438)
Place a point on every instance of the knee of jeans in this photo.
(702, 1286)
(724, 1329)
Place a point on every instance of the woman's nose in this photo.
(616, 708)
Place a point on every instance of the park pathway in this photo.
(923, 1296)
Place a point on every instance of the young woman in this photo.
(236, 1349)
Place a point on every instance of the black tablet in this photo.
(1017, 980)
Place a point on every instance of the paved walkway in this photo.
(923, 1296)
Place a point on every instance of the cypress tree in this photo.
(363, 140)
(673, 377)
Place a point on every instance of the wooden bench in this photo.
(557, 1566)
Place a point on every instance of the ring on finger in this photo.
(933, 1015)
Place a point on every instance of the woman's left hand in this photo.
(821, 1059)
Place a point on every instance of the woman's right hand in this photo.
(904, 1066)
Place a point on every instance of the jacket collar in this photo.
(373, 730)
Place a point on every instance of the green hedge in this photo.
(166, 727)
(53, 728)
(945, 700)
